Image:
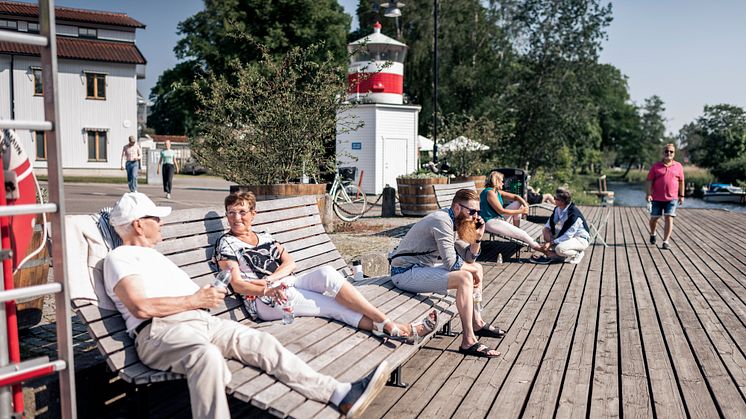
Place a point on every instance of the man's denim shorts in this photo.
(667, 208)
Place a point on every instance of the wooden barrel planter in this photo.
(34, 272)
(284, 190)
(478, 180)
(416, 196)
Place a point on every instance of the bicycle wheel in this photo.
(349, 203)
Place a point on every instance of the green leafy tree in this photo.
(226, 33)
(718, 141)
(653, 129)
(558, 44)
(272, 121)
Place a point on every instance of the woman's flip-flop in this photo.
(478, 350)
(490, 331)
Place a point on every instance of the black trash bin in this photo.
(515, 181)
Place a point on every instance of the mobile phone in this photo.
(479, 224)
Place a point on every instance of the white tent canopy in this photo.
(424, 143)
(462, 143)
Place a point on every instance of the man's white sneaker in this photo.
(168, 196)
(577, 258)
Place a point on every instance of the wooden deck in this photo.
(632, 330)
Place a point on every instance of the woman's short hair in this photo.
(247, 198)
(492, 178)
(463, 195)
(563, 194)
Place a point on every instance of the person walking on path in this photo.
(164, 312)
(438, 254)
(665, 192)
(170, 166)
(132, 154)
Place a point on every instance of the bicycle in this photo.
(348, 199)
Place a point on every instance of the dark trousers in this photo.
(168, 176)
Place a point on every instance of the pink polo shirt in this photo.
(666, 180)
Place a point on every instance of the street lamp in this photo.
(435, 80)
(393, 9)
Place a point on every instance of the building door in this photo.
(394, 160)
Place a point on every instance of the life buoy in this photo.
(20, 189)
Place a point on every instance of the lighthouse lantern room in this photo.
(386, 146)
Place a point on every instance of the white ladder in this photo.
(15, 373)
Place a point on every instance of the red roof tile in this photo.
(83, 49)
(70, 14)
(172, 138)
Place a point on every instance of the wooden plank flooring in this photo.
(632, 330)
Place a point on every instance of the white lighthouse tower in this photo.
(386, 146)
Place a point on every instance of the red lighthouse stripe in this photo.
(376, 83)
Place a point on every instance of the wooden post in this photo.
(327, 215)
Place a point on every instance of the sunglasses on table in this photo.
(472, 211)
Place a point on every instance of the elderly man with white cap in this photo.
(164, 313)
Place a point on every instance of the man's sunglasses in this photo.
(151, 217)
(669, 152)
(472, 211)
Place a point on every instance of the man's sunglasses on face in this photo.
(472, 211)
(669, 152)
(151, 217)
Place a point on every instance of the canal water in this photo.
(633, 195)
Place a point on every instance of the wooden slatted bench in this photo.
(328, 346)
(444, 196)
(444, 193)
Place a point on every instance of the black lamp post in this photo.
(435, 80)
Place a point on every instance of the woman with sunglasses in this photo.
(501, 219)
(262, 271)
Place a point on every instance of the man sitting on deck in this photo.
(566, 233)
(430, 258)
(165, 313)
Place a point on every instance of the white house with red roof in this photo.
(99, 65)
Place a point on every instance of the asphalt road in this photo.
(188, 192)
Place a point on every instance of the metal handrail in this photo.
(24, 38)
(29, 125)
(27, 209)
(30, 292)
(27, 373)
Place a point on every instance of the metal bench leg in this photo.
(138, 401)
(395, 378)
(446, 330)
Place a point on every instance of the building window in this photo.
(95, 86)
(9, 24)
(38, 85)
(33, 27)
(40, 137)
(96, 145)
(87, 33)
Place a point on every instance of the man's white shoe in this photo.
(577, 258)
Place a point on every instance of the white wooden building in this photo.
(384, 148)
(99, 65)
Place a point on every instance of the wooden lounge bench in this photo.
(328, 346)
(444, 196)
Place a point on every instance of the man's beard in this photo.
(466, 228)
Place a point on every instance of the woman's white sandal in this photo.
(395, 334)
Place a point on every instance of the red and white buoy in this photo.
(370, 79)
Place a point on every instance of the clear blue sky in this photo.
(688, 52)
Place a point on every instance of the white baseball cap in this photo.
(134, 205)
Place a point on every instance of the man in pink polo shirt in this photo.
(665, 191)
